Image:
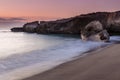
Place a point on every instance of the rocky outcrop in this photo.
(94, 31)
(71, 25)
(64, 26)
(109, 21)
(31, 27)
(17, 29)
(113, 22)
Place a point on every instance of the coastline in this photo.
(97, 65)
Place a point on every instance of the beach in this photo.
(101, 64)
(59, 40)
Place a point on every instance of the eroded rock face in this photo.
(113, 22)
(73, 25)
(92, 26)
(31, 27)
(64, 26)
(94, 31)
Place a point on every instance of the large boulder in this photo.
(94, 31)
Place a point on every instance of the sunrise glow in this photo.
(54, 8)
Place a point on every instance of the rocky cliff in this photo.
(72, 25)
(75, 25)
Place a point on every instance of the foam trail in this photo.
(38, 61)
(37, 53)
(25, 72)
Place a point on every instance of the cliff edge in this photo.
(109, 21)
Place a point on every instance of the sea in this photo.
(27, 54)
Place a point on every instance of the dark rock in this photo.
(66, 26)
(94, 31)
(75, 25)
(71, 25)
(113, 23)
(17, 29)
(31, 27)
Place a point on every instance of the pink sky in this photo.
(54, 8)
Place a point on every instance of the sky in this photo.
(53, 9)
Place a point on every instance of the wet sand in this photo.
(102, 64)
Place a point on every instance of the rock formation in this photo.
(17, 29)
(94, 31)
(113, 22)
(109, 22)
(31, 27)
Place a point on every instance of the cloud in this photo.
(17, 19)
(2, 19)
(11, 20)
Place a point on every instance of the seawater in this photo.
(24, 54)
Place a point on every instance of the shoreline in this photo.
(81, 70)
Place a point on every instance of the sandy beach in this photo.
(102, 64)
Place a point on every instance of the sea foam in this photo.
(38, 59)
